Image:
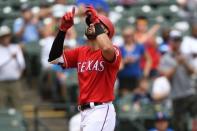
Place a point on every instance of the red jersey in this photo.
(96, 76)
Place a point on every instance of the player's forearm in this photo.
(57, 47)
(104, 43)
(106, 46)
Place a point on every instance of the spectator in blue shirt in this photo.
(25, 28)
(161, 123)
(132, 53)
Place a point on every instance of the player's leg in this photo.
(101, 118)
(110, 122)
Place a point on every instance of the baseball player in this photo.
(97, 64)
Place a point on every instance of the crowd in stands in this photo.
(158, 72)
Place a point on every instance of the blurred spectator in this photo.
(66, 85)
(188, 9)
(11, 68)
(70, 39)
(141, 94)
(161, 95)
(143, 35)
(54, 79)
(178, 69)
(47, 41)
(60, 7)
(26, 27)
(44, 11)
(58, 10)
(164, 46)
(147, 37)
(132, 53)
(189, 45)
(161, 123)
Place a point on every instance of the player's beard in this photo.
(90, 33)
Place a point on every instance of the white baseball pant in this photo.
(99, 118)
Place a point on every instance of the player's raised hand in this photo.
(92, 15)
(67, 20)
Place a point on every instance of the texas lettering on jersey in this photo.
(90, 65)
(96, 76)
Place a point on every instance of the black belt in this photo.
(88, 105)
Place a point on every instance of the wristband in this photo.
(98, 29)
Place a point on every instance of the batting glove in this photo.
(92, 15)
(67, 20)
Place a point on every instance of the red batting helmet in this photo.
(108, 24)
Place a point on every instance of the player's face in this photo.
(91, 29)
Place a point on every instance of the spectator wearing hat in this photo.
(11, 68)
(178, 69)
(161, 123)
(26, 28)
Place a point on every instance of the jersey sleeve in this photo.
(117, 58)
(70, 58)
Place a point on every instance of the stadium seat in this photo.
(11, 120)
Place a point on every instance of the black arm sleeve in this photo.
(57, 47)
